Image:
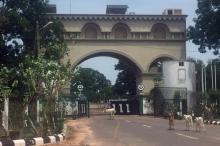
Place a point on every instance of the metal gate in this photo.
(167, 99)
(83, 108)
(125, 106)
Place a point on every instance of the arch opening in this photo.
(94, 91)
(120, 31)
(91, 31)
(156, 65)
(160, 31)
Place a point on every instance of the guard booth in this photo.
(125, 106)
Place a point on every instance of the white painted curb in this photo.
(39, 141)
(52, 139)
(60, 136)
(19, 142)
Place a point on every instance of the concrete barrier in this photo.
(19, 142)
(52, 139)
(39, 141)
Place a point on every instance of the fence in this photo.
(169, 99)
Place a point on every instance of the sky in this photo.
(139, 7)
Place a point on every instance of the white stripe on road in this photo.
(216, 138)
(195, 138)
(128, 121)
(147, 126)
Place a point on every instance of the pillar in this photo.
(5, 114)
(146, 79)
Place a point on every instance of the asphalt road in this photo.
(148, 131)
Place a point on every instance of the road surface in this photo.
(138, 131)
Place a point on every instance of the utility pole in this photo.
(212, 76)
(202, 80)
(36, 51)
(205, 79)
(215, 75)
(37, 35)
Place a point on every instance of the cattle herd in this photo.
(198, 121)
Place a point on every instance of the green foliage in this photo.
(206, 32)
(96, 86)
(18, 21)
(6, 81)
(214, 96)
(56, 51)
(26, 77)
(126, 80)
(158, 101)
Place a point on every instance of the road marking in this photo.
(147, 126)
(216, 138)
(195, 138)
(128, 121)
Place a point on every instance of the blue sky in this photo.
(139, 7)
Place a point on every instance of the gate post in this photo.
(140, 98)
(88, 112)
(140, 104)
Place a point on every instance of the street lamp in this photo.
(37, 36)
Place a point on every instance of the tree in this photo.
(41, 78)
(95, 84)
(7, 82)
(126, 80)
(17, 28)
(206, 32)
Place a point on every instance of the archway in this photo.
(156, 64)
(134, 68)
(96, 94)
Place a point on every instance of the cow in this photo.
(188, 121)
(199, 124)
(171, 121)
(111, 112)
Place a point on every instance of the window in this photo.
(90, 33)
(159, 31)
(120, 33)
(170, 12)
(181, 63)
(181, 74)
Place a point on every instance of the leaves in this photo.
(206, 32)
(6, 81)
(126, 80)
(96, 86)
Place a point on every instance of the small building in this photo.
(179, 78)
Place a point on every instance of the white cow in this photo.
(111, 112)
(199, 124)
(188, 121)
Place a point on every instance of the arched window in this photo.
(159, 31)
(156, 65)
(90, 33)
(120, 31)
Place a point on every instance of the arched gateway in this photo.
(141, 39)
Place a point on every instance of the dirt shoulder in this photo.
(78, 133)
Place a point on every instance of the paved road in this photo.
(136, 131)
(148, 131)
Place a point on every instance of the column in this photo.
(5, 114)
